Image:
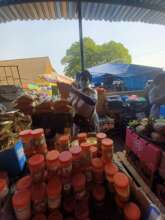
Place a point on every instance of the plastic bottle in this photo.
(24, 183)
(37, 167)
(82, 137)
(39, 142)
(39, 198)
(78, 183)
(121, 184)
(132, 212)
(64, 142)
(107, 150)
(22, 205)
(54, 189)
(52, 163)
(26, 138)
(110, 170)
(100, 136)
(97, 170)
(65, 159)
(77, 158)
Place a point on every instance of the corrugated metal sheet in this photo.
(150, 11)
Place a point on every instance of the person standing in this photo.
(84, 98)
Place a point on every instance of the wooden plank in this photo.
(141, 182)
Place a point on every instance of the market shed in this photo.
(133, 76)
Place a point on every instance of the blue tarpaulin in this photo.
(133, 76)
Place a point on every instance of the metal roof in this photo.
(149, 11)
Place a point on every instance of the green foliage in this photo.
(94, 54)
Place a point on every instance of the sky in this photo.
(23, 39)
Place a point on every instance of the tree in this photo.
(93, 55)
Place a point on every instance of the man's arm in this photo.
(86, 98)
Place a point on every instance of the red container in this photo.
(64, 142)
(22, 205)
(65, 159)
(151, 156)
(39, 198)
(82, 137)
(121, 184)
(98, 193)
(78, 183)
(37, 167)
(86, 154)
(107, 150)
(54, 189)
(39, 142)
(52, 162)
(93, 151)
(100, 136)
(132, 212)
(24, 183)
(76, 158)
(26, 138)
(97, 170)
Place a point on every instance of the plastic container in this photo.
(93, 152)
(52, 163)
(39, 216)
(98, 194)
(86, 154)
(121, 184)
(54, 189)
(67, 184)
(37, 167)
(132, 212)
(97, 170)
(39, 142)
(65, 159)
(110, 170)
(39, 198)
(3, 189)
(24, 183)
(82, 137)
(21, 204)
(64, 142)
(100, 136)
(26, 138)
(56, 215)
(76, 158)
(107, 150)
(78, 183)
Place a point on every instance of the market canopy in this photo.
(152, 11)
(134, 76)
